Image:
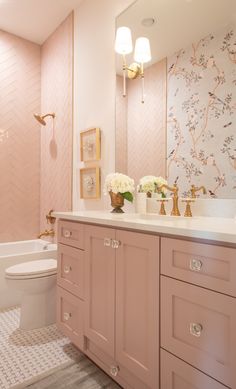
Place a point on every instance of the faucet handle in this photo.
(188, 201)
(162, 208)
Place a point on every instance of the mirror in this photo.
(185, 130)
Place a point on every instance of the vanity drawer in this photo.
(70, 317)
(71, 233)
(213, 267)
(198, 326)
(176, 374)
(70, 273)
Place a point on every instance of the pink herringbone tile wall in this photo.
(19, 138)
(56, 136)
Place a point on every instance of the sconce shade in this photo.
(123, 44)
(142, 51)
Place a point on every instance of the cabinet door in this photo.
(100, 287)
(137, 289)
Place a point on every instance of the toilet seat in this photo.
(32, 269)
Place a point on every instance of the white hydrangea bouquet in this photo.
(120, 183)
(152, 184)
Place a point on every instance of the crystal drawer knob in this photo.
(67, 316)
(67, 269)
(115, 244)
(195, 264)
(67, 233)
(107, 242)
(114, 370)
(196, 329)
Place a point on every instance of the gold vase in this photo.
(117, 202)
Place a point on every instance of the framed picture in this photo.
(90, 145)
(90, 183)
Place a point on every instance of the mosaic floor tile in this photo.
(25, 355)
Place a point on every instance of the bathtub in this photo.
(13, 253)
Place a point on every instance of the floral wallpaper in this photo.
(201, 115)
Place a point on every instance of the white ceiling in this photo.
(178, 22)
(34, 20)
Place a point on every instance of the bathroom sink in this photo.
(155, 216)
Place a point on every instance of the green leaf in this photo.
(128, 196)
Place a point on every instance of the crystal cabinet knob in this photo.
(114, 370)
(195, 264)
(107, 242)
(67, 233)
(67, 269)
(115, 244)
(195, 329)
(67, 316)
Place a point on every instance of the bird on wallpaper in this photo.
(228, 124)
(171, 153)
(212, 194)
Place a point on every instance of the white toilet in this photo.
(37, 281)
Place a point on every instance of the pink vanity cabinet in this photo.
(108, 299)
(121, 304)
(198, 315)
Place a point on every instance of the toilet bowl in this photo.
(37, 281)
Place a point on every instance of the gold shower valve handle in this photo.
(188, 201)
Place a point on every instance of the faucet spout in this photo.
(46, 233)
(175, 190)
(194, 189)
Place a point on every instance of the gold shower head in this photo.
(40, 118)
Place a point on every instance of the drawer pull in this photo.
(115, 244)
(196, 329)
(114, 370)
(107, 242)
(67, 234)
(67, 269)
(195, 264)
(67, 316)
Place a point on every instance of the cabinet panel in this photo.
(137, 266)
(70, 274)
(70, 316)
(198, 326)
(176, 374)
(71, 233)
(100, 287)
(213, 267)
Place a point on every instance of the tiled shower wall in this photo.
(56, 137)
(35, 161)
(19, 138)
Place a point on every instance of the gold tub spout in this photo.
(46, 233)
(175, 190)
(194, 189)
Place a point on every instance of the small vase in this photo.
(117, 202)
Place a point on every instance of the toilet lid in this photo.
(39, 268)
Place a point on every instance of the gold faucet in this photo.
(46, 233)
(175, 190)
(194, 189)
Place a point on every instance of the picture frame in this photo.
(90, 145)
(90, 183)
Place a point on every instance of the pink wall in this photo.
(56, 138)
(141, 128)
(19, 138)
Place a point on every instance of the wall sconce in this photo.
(142, 54)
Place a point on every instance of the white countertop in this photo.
(209, 228)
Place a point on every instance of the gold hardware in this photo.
(46, 233)
(114, 370)
(50, 219)
(195, 329)
(188, 212)
(175, 190)
(162, 208)
(133, 71)
(195, 264)
(41, 118)
(194, 189)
